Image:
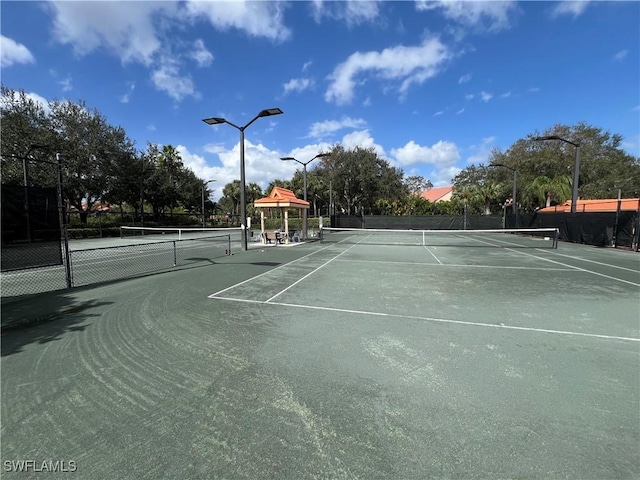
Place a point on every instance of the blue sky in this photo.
(433, 86)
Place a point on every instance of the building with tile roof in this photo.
(438, 194)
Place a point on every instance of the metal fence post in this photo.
(175, 254)
(63, 225)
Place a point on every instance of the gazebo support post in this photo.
(262, 240)
(286, 225)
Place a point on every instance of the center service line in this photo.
(310, 273)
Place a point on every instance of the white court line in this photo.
(560, 263)
(273, 269)
(267, 272)
(461, 265)
(312, 272)
(438, 320)
(593, 261)
(433, 255)
(580, 269)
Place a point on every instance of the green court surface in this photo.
(335, 360)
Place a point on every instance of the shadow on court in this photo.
(43, 318)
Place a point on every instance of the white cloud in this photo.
(34, 97)
(167, 78)
(479, 15)
(636, 108)
(569, 7)
(406, 64)
(505, 95)
(322, 129)
(443, 177)
(352, 12)
(469, 96)
(362, 139)
(12, 52)
(127, 96)
(66, 84)
(258, 19)
(297, 85)
(200, 54)
(262, 165)
(620, 55)
(534, 90)
(464, 78)
(124, 28)
(460, 111)
(43, 102)
(441, 154)
(306, 65)
(437, 114)
(481, 152)
(485, 96)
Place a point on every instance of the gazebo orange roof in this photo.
(281, 197)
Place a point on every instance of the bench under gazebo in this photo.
(283, 200)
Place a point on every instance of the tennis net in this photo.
(515, 237)
(174, 233)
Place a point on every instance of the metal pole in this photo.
(63, 225)
(141, 192)
(515, 191)
(304, 210)
(243, 205)
(576, 173)
(330, 199)
(615, 226)
(203, 223)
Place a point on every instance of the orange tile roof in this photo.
(600, 205)
(437, 193)
(281, 197)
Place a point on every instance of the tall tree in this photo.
(359, 178)
(417, 184)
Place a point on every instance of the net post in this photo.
(121, 234)
(556, 237)
(228, 244)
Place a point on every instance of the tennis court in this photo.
(361, 356)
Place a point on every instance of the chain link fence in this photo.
(99, 265)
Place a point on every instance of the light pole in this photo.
(576, 167)
(243, 206)
(304, 176)
(204, 184)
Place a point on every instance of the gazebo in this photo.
(284, 200)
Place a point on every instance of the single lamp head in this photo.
(269, 112)
(214, 120)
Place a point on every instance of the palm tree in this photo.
(170, 163)
(489, 192)
(542, 190)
